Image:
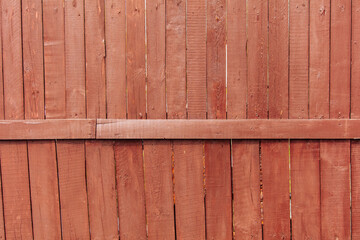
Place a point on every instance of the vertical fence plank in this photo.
(44, 190)
(319, 59)
(135, 59)
(14, 164)
(72, 185)
(95, 59)
(236, 59)
(100, 164)
(257, 47)
(159, 189)
(189, 196)
(355, 113)
(54, 58)
(175, 59)
(196, 58)
(275, 154)
(130, 184)
(2, 226)
(100, 172)
(217, 153)
(157, 154)
(33, 59)
(115, 58)
(75, 59)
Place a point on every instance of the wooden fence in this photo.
(76, 163)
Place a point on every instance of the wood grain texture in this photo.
(72, 185)
(246, 190)
(257, 49)
(319, 59)
(54, 59)
(16, 190)
(175, 59)
(95, 58)
(335, 192)
(228, 129)
(275, 165)
(216, 59)
(355, 189)
(75, 59)
(115, 36)
(218, 190)
(305, 189)
(196, 58)
(189, 192)
(2, 108)
(44, 190)
(155, 29)
(130, 187)
(299, 55)
(101, 188)
(340, 56)
(135, 59)
(159, 189)
(278, 58)
(12, 59)
(236, 59)
(33, 59)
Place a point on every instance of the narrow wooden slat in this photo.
(54, 58)
(33, 59)
(2, 108)
(12, 59)
(16, 192)
(246, 190)
(299, 55)
(305, 189)
(275, 165)
(340, 58)
(115, 26)
(236, 59)
(44, 190)
(335, 189)
(217, 154)
(135, 59)
(355, 189)
(155, 29)
(100, 172)
(189, 196)
(130, 187)
(14, 162)
(159, 189)
(72, 185)
(196, 58)
(175, 59)
(319, 59)
(75, 59)
(95, 58)
(278, 58)
(257, 49)
(218, 190)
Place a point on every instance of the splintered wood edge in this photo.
(179, 129)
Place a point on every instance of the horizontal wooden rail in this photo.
(179, 129)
